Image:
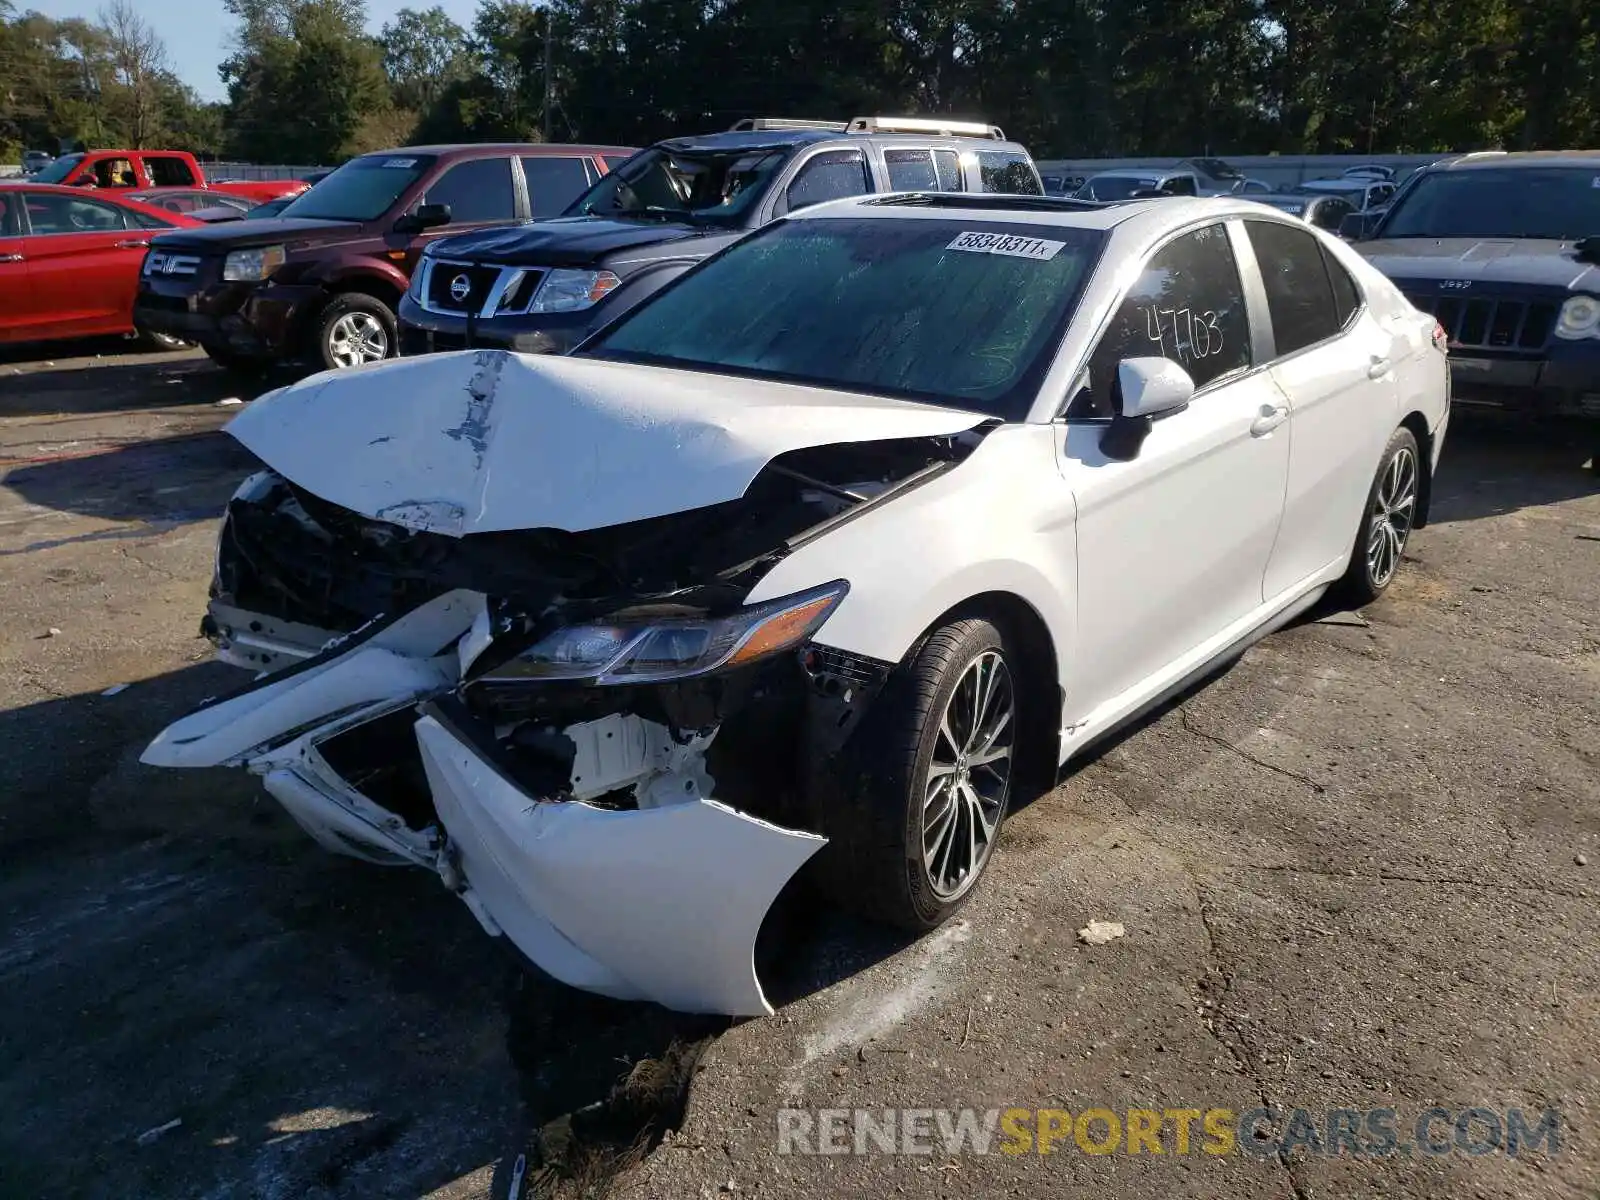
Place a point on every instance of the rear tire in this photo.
(354, 328)
(1386, 521)
(918, 807)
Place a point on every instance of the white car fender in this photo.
(1002, 521)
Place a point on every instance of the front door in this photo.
(83, 265)
(1173, 545)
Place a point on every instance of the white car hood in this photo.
(487, 440)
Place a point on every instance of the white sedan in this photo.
(820, 556)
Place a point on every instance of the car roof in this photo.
(1485, 159)
(1046, 211)
(530, 149)
(735, 140)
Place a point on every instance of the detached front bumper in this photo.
(661, 902)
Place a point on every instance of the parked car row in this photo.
(819, 556)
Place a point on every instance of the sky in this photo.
(197, 32)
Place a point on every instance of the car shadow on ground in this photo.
(178, 950)
(106, 378)
(1494, 464)
(159, 483)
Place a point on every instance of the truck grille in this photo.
(459, 287)
(1490, 324)
(162, 262)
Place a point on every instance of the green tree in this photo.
(423, 53)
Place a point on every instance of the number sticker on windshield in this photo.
(1008, 244)
(400, 162)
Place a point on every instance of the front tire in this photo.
(352, 329)
(1386, 522)
(915, 824)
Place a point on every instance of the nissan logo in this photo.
(460, 288)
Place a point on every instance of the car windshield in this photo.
(1118, 187)
(1558, 203)
(361, 190)
(59, 170)
(964, 313)
(1216, 168)
(715, 186)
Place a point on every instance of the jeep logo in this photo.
(460, 288)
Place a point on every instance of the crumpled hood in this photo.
(1490, 260)
(571, 241)
(487, 440)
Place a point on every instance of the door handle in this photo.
(1379, 368)
(10, 258)
(1270, 417)
(131, 244)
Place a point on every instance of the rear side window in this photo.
(477, 190)
(1179, 185)
(166, 171)
(829, 176)
(910, 171)
(1346, 295)
(613, 161)
(948, 164)
(554, 183)
(1009, 173)
(1187, 305)
(1299, 293)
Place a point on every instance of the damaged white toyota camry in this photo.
(813, 557)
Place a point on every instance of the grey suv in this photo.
(543, 286)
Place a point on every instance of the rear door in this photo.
(553, 182)
(13, 266)
(1335, 366)
(83, 264)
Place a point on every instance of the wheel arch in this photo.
(1418, 425)
(378, 286)
(1037, 666)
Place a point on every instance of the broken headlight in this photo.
(648, 651)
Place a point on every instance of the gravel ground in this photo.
(1355, 870)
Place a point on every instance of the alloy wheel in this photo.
(1394, 506)
(969, 776)
(356, 338)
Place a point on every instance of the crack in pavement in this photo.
(128, 553)
(1188, 727)
(1383, 876)
(1239, 1048)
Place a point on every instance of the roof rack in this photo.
(756, 124)
(936, 125)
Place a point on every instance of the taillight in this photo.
(1441, 340)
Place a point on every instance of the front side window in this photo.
(829, 176)
(963, 314)
(715, 187)
(1188, 306)
(166, 171)
(1009, 173)
(477, 190)
(361, 190)
(50, 213)
(554, 183)
(1299, 292)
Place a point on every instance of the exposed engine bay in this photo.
(570, 728)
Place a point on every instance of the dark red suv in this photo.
(321, 281)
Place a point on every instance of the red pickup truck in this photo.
(131, 170)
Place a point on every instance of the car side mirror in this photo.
(1148, 388)
(1357, 227)
(426, 216)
